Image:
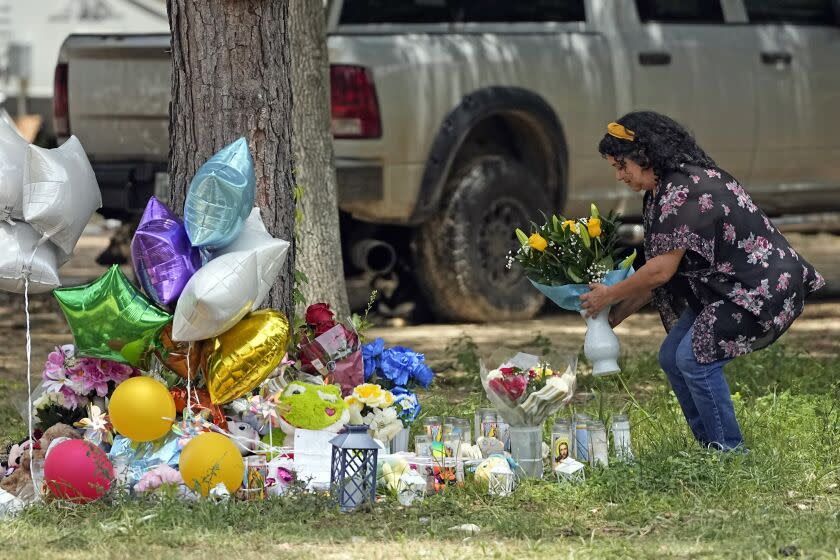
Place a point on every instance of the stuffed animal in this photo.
(19, 483)
(311, 407)
(243, 435)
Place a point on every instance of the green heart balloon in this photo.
(110, 318)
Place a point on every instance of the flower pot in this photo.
(601, 346)
(526, 448)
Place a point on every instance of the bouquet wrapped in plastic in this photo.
(331, 349)
(562, 257)
(527, 389)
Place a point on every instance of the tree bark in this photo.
(319, 240)
(231, 77)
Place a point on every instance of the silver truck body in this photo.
(763, 98)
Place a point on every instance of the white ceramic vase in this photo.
(601, 346)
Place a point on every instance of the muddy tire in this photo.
(460, 254)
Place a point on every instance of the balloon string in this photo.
(188, 411)
(29, 403)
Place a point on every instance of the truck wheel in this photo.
(461, 253)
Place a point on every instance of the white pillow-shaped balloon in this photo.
(19, 250)
(60, 192)
(12, 157)
(270, 252)
(216, 297)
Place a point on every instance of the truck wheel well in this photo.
(515, 134)
(500, 120)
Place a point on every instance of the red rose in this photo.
(321, 328)
(506, 370)
(318, 313)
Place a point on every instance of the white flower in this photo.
(385, 425)
(48, 399)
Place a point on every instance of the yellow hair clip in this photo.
(618, 131)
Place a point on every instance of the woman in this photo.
(724, 280)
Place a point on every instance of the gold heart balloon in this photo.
(240, 359)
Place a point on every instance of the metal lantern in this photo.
(353, 472)
(500, 480)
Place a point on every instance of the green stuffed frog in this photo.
(311, 407)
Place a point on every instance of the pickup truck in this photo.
(456, 121)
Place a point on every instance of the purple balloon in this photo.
(163, 258)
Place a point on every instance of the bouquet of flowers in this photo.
(330, 349)
(373, 406)
(527, 389)
(571, 254)
(401, 369)
(562, 257)
(69, 383)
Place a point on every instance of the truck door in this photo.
(686, 62)
(798, 145)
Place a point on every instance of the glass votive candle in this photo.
(423, 445)
(432, 426)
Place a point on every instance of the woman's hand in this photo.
(596, 300)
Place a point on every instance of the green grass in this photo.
(779, 500)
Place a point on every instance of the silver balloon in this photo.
(12, 155)
(217, 296)
(270, 252)
(19, 253)
(60, 192)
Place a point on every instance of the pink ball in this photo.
(78, 471)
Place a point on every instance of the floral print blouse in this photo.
(743, 275)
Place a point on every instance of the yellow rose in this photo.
(370, 394)
(538, 242)
(594, 227)
(571, 224)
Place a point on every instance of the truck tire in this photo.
(461, 253)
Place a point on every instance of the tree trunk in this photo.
(319, 240)
(231, 77)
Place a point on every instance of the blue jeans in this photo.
(701, 389)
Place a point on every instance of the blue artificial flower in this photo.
(407, 403)
(397, 363)
(422, 375)
(371, 354)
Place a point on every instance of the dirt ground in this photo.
(817, 331)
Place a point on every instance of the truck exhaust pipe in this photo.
(373, 255)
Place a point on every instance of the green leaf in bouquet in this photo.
(607, 262)
(593, 210)
(584, 235)
(625, 264)
(571, 273)
(555, 221)
(521, 236)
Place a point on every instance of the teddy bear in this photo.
(244, 436)
(19, 483)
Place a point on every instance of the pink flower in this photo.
(92, 377)
(71, 399)
(695, 178)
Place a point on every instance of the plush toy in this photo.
(243, 435)
(311, 407)
(19, 483)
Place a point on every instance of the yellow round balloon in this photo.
(244, 356)
(209, 459)
(141, 409)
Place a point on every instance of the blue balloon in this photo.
(220, 197)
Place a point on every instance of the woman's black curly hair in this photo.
(660, 143)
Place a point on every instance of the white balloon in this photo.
(19, 246)
(216, 297)
(12, 156)
(60, 192)
(270, 252)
